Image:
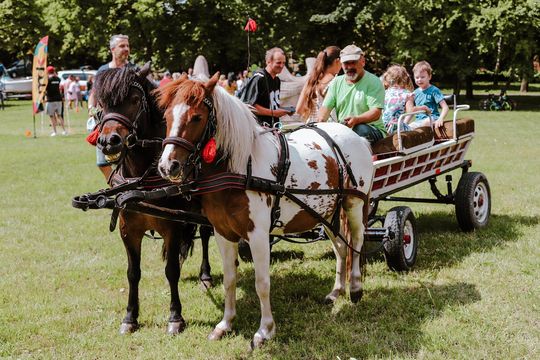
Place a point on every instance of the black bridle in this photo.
(133, 137)
(194, 158)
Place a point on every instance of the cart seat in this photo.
(409, 140)
(463, 127)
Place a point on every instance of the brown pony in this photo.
(131, 133)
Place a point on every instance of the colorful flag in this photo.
(39, 74)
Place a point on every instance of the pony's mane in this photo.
(237, 129)
(112, 85)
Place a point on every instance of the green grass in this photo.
(63, 285)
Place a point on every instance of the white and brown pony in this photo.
(196, 112)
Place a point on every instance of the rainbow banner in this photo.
(39, 74)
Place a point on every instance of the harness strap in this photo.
(283, 165)
(336, 149)
(176, 140)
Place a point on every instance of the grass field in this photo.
(63, 288)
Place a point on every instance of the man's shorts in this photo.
(371, 133)
(100, 158)
(54, 107)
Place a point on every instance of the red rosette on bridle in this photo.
(93, 136)
(209, 151)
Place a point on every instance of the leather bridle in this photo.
(194, 158)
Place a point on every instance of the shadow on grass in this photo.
(443, 244)
(387, 321)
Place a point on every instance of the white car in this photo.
(82, 74)
(17, 86)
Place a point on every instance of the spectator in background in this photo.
(167, 78)
(262, 89)
(230, 84)
(327, 66)
(119, 46)
(54, 101)
(176, 75)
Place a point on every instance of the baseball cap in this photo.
(350, 53)
(50, 69)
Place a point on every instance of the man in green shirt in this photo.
(357, 96)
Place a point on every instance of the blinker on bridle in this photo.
(131, 139)
(209, 131)
(194, 157)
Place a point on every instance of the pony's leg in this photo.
(229, 256)
(354, 209)
(260, 250)
(132, 238)
(205, 272)
(174, 237)
(340, 250)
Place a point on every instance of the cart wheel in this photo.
(244, 251)
(400, 250)
(473, 201)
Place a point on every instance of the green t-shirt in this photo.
(355, 99)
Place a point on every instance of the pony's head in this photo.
(196, 112)
(129, 111)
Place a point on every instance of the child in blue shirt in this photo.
(429, 96)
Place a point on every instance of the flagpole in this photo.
(34, 117)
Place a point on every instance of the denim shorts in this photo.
(100, 158)
(371, 133)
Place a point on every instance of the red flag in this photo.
(251, 25)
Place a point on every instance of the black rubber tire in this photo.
(244, 251)
(401, 249)
(473, 201)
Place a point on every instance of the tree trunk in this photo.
(469, 87)
(524, 87)
(497, 63)
(457, 86)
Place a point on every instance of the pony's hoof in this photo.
(356, 296)
(206, 284)
(176, 327)
(257, 343)
(128, 328)
(216, 334)
(331, 298)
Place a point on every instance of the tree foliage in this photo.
(456, 37)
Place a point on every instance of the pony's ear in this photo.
(145, 70)
(211, 84)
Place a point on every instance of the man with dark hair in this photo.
(262, 90)
(54, 100)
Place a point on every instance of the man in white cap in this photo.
(357, 96)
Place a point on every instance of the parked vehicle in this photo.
(14, 86)
(82, 74)
(497, 103)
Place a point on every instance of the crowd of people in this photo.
(368, 104)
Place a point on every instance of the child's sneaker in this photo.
(64, 132)
(53, 134)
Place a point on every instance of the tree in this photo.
(21, 27)
(509, 29)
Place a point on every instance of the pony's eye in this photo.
(196, 118)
